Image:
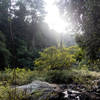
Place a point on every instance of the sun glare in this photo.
(53, 17)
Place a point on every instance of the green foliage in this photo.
(4, 52)
(23, 76)
(24, 32)
(55, 58)
(24, 56)
(59, 77)
(8, 93)
(85, 17)
(74, 76)
(77, 52)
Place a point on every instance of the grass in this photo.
(23, 76)
(74, 76)
(85, 77)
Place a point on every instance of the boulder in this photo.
(38, 90)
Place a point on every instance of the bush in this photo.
(54, 58)
(23, 76)
(59, 77)
(7, 93)
(73, 76)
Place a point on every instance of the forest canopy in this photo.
(49, 49)
(24, 32)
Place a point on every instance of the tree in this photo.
(4, 52)
(85, 15)
(54, 59)
(21, 23)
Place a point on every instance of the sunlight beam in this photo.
(54, 19)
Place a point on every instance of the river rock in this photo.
(39, 90)
(35, 85)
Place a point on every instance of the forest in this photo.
(49, 50)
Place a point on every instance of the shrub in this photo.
(23, 76)
(55, 59)
(7, 93)
(59, 77)
(73, 76)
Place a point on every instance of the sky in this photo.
(53, 17)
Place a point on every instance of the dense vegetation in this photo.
(85, 15)
(22, 33)
(29, 49)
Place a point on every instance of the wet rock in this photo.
(80, 93)
(38, 90)
(35, 85)
(98, 83)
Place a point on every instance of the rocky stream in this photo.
(39, 90)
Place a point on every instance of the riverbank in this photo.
(65, 85)
(38, 90)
